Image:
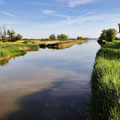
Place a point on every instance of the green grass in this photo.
(105, 100)
(17, 48)
(58, 45)
(10, 50)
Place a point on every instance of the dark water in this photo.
(48, 84)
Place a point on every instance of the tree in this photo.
(3, 33)
(52, 37)
(85, 38)
(79, 38)
(107, 35)
(103, 35)
(11, 35)
(19, 37)
(111, 34)
(82, 38)
(62, 37)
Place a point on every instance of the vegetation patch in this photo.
(105, 84)
(9, 50)
(61, 44)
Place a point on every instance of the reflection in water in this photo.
(6, 61)
(43, 46)
(48, 84)
(59, 46)
(3, 62)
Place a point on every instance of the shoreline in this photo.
(105, 83)
(21, 49)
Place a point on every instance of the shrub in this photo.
(62, 37)
(52, 37)
(108, 35)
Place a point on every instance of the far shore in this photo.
(21, 47)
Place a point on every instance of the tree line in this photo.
(61, 37)
(9, 35)
(64, 37)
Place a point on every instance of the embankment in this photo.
(16, 49)
(10, 50)
(62, 44)
(105, 84)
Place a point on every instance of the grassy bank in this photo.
(61, 44)
(9, 50)
(105, 101)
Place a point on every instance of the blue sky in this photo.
(40, 18)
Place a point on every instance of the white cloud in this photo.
(46, 4)
(7, 13)
(109, 18)
(55, 13)
(48, 11)
(64, 16)
(73, 3)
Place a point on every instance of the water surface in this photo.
(48, 84)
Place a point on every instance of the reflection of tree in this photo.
(62, 45)
(4, 62)
(84, 42)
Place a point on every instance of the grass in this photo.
(10, 50)
(105, 100)
(61, 44)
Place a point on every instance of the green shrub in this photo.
(108, 35)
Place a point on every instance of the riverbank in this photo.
(105, 101)
(61, 44)
(11, 49)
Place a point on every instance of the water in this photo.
(48, 84)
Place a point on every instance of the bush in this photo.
(52, 37)
(108, 35)
(79, 38)
(19, 37)
(62, 37)
(82, 38)
(111, 34)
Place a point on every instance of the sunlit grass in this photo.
(9, 50)
(105, 101)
